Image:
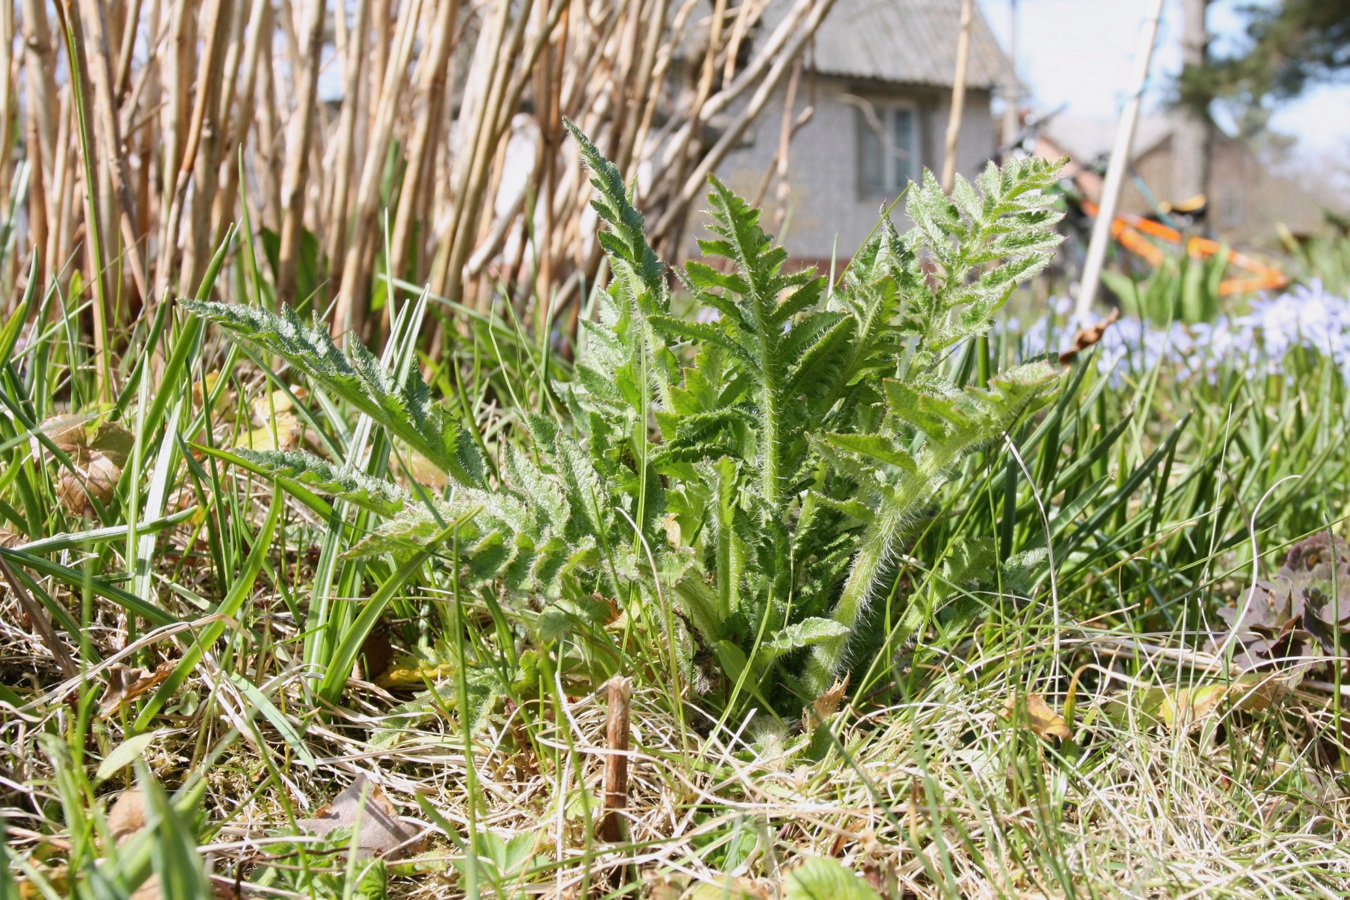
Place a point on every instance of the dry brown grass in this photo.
(941, 796)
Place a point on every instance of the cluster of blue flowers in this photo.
(1306, 317)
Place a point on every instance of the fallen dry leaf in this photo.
(57, 878)
(98, 454)
(380, 829)
(224, 406)
(1045, 722)
(679, 887)
(731, 889)
(1087, 337)
(127, 815)
(671, 525)
(826, 705)
(1186, 708)
(125, 818)
(126, 684)
(664, 887)
(66, 431)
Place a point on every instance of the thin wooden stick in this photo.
(548, 92)
(128, 48)
(379, 52)
(173, 129)
(642, 77)
(60, 236)
(43, 110)
(958, 109)
(1120, 161)
(470, 186)
(779, 168)
(8, 116)
(269, 142)
(120, 205)
(37, 206)
(678, 210)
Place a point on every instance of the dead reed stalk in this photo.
(322, 116)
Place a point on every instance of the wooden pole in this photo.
(1012, 120)
(958, 96)
(1120, 161)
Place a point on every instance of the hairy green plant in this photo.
(742, 483)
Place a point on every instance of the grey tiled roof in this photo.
(902, 41)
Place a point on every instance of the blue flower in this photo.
(1305, 317)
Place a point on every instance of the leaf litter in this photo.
(379, 829)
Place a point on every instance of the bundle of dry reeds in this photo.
(422, 135)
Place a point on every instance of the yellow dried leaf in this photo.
(58, 878)
(410, 467)
(1045, 722)
(1187, 707)
(284, 437)
(223, 408)
(413, 673)
(278, 401)
(725, 888)
(672, 529)
(277, 427)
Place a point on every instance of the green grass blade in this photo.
(239, 592)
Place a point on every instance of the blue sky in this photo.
(1080, 53)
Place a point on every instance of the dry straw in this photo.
(334, 114)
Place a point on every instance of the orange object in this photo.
(1130, 230)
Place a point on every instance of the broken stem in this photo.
(616, 758)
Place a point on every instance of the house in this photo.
(878, 82)
(1249, 195)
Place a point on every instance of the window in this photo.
(888, 141)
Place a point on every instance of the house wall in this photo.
(826, 200)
